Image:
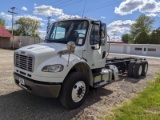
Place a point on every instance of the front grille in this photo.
(24, 62)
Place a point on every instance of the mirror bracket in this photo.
(71, 48)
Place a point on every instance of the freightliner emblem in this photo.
(22, 52)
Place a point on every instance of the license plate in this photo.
(21, 81)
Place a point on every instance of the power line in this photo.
(102, 6)
(70, 4)
(98, 7)
(63, 3)
(93, 8)
(58, 1)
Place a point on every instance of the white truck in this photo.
(70, 61)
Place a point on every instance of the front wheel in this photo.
(74, 90)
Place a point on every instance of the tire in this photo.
(130, 68)
(145, 68)
(137, 71)
(74, 90)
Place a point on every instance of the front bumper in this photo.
(44, 89)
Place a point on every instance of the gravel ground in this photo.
(17, 104)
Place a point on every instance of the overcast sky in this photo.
(118, 14)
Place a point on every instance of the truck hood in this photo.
(45, 51)
(42, 49)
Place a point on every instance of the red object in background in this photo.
(4, 32)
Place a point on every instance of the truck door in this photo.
(97, 46)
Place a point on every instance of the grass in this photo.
(145, 106)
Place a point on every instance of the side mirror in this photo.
(71, 46)
(98, 41)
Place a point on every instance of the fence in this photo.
(136, 49)
(24, 40)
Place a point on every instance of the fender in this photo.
(63, 60)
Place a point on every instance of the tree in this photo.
(27, 27)
(142, 38)
(125, 38)
(142, 25)
(15, 32)
(2, 22)
(155, 36)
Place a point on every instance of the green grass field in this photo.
(146, 106)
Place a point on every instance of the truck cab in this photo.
(70, 60)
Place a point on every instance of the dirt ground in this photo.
(17, 104)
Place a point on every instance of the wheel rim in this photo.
(78, 91)
(146, 67)
(140, 70)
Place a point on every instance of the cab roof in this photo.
(88, 19)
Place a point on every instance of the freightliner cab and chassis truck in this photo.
(72, 59)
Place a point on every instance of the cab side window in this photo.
(94, 37)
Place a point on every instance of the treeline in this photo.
(24, 27)
(141, 32)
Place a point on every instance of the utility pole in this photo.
(48, 24)
(84, 8)
(12, 12)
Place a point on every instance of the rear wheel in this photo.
(74, 90)
(145, 68)
(130, 68)
(137, 71)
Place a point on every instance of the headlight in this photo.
(53, 68)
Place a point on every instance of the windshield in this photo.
(65, 31)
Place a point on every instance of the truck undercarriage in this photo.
(133, 67)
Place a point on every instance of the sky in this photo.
(119, 15)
